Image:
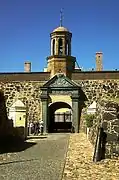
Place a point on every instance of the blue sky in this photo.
(25, 27)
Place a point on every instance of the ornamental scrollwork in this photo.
(61, 82)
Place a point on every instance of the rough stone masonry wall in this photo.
(28, 92)
(96, 90)
(3, 116)
(110, 123)
(99, 90)
(108, 119)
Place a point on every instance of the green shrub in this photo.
(89, 119)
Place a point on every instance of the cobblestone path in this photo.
(79, 165)
(42, 161)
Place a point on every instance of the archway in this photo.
(56, 86)
(60, 117)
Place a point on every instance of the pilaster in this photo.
(44, 100)
(51, 47)
(63, 42)
(56, 46)
(75, 114)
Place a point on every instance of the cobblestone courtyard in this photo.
(45, 159)
(79, 165)
(42, 161)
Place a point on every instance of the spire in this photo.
(61, 17)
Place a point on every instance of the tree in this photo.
(89, 120)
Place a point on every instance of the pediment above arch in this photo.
(62, 85)
(60, 80)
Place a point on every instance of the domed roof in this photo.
(61, 29)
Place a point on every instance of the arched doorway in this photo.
(60, 117)
(60, 85)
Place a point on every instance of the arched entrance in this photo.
(60, 117)
(59, 86)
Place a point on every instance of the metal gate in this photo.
(63, 117)
(62, 121)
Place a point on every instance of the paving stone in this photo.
(42, 161)
(79, 164)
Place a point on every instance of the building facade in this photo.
(58, 95)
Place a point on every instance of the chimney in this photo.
(99, 66)
(27, 66)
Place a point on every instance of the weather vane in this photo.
(61, 16)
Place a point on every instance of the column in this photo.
(63, 44)
(75, 114)
(44, 99)
(56, 46)
(51, 47)
(69, 47)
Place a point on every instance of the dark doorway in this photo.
(60, 121)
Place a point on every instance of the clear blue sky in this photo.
(25, 27)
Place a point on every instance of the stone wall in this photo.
(108, 119)
(110, 124)
(94, 75)
(24, 76)
(96, 90)
(99, 89)
(3, 116)
(28, 92)
(104, 92)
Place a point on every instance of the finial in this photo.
(61, 17)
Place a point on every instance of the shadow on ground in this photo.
(37, 137)
(12, 162)
(14, 144)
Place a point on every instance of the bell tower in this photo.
(60, 59)
(61, 42)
